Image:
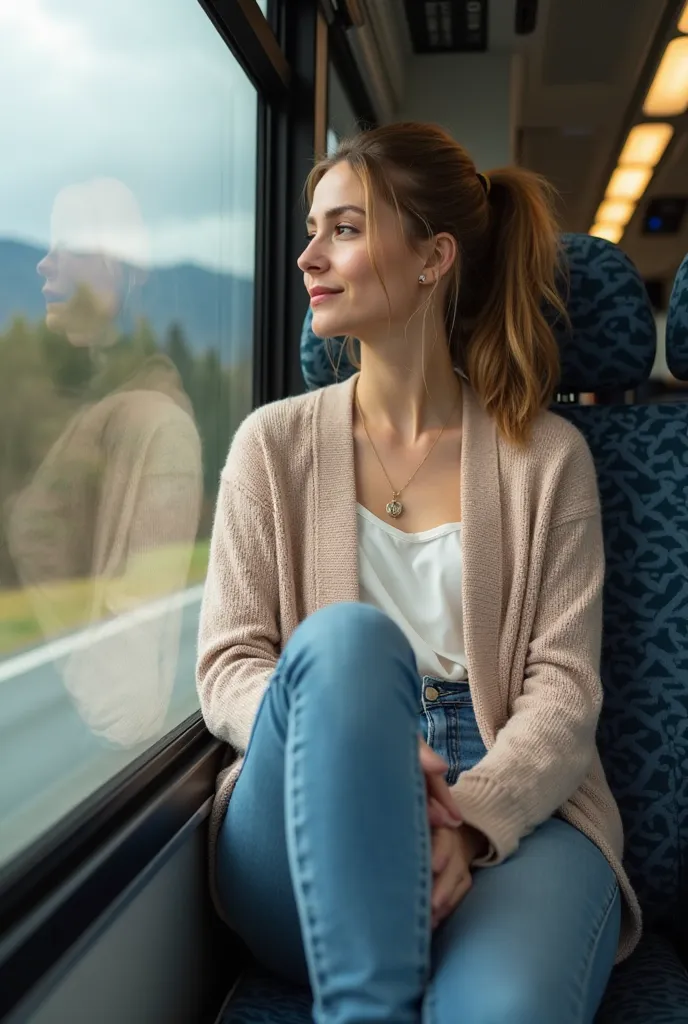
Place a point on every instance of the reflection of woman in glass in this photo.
(96, 262)
(108, 522)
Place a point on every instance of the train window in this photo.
(341, 118)
(127, 211)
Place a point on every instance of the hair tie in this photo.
(485, 182)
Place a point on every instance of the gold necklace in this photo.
(394, 508)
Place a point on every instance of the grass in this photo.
(31, 615)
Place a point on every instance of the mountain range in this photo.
(214, 310)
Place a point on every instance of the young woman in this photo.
(415, 555)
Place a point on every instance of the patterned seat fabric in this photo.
(610, 342)
(641, 455)
(650, 988)
(677, 325)
(323, 360)
(261, 998)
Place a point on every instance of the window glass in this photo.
(341, 118)
(127, 208)
(332, 142)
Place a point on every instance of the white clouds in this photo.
(225, 243)
(146, 93)
(32, 29)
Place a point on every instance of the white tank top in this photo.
(416, 579)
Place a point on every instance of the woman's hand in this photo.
(453, 852)
(441, 807)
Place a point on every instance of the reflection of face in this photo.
(337, 258)
(82, 294)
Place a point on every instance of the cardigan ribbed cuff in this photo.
(491, 809)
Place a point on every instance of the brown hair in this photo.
(506, 271)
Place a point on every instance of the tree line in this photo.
(45, 381)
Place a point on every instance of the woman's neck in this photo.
(398, 396)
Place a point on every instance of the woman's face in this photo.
(347, 296)
(82, 294)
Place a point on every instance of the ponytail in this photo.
(502, 339)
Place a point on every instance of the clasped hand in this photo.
(455, 845)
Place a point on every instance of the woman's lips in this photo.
(322, 297)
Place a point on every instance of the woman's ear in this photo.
(443, 257)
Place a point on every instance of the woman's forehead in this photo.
(340, 186)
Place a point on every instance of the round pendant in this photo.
(394, 509)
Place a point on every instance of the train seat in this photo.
(677, 324)
(641, 455)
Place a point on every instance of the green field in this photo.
(71, 602)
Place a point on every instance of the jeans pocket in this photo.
(449, 725)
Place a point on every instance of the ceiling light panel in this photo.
(615, 211)
(628, 183)
(668, 94)
(646, 143)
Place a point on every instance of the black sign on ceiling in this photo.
(448, 26)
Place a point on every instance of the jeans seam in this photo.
(311, 939)
(429, 1015)
(424, 886)
(453, 727)
(596, 935)
(430, 723)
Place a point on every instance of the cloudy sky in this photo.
(141, 91)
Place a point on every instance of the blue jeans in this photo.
(324, 856)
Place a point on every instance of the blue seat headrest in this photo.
(677, 325)
(611, 341)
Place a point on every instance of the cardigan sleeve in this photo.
(154, 476)
(544, 751)
(239, 635)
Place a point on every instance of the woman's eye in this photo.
(341, 230)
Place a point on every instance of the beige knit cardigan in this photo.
(285, 544)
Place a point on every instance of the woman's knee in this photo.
(350, 660)
(347, 618)
(351, 637)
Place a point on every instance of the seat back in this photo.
(323, 360)
(677, 325)
(641, 455)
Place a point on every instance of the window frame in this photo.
(71, 876)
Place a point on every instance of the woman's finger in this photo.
(446, 900)
(463, 887)
(441, 850)
(437, 816)
(446, 883)
(440, 791)
(430, 760)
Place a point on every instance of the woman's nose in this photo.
(46, 265)
(312, 257)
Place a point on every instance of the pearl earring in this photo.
(421, 279)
